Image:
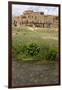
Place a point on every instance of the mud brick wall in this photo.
(36, 19)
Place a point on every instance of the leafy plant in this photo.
(52, 54)
(36, 52)
(33, 49)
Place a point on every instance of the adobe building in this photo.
(35, 19)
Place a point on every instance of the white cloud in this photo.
(19, 9)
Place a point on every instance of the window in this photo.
(23, 16)
(15, 23)
(32, 16)
(56, 18)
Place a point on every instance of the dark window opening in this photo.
(15, 23)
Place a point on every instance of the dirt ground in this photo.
(34, 73)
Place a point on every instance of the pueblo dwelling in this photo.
(35, 19)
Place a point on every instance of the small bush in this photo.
(52, 54)
(33, 49)
(44, 51)
(24, 49)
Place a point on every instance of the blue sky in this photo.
(19, 9)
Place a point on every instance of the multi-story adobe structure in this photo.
(35, 19)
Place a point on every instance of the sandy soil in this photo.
(32, 73)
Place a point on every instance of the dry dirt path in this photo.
(28, 73)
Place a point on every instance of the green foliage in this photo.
(33, 49)
(29, 45)
(44, 51)
(52, 54)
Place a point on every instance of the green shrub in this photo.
(24, 49)
(52, 54)
(44, 51)
(33, 49)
